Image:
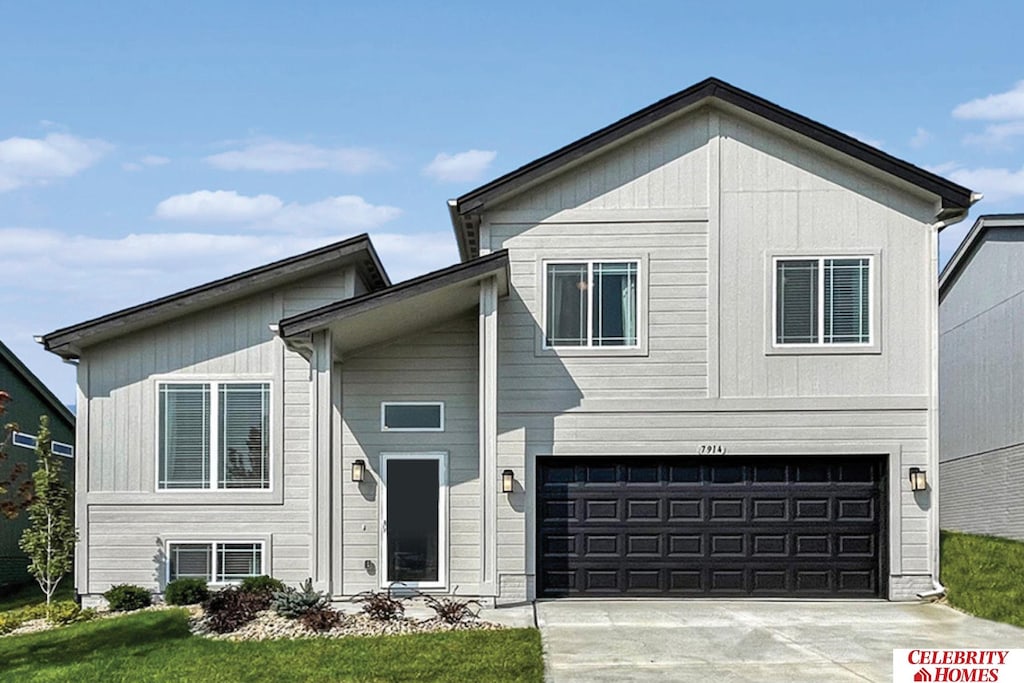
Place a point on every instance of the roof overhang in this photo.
(358, 251)
(962, 255)
(400, 309)
(465, 211)
(60, 410)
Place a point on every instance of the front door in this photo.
(414, 504)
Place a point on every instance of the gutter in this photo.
(938, 590)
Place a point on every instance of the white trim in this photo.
(873, 344)
(213, 552)
(385, 404)
(590, 347)
(213, 385)
(442, 519)
(30, 442)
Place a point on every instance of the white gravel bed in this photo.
(268, 625)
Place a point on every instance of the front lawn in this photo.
(984, 576)
(157, 646)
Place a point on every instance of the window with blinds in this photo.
(216, 561)
(214, 435)
(823, 301)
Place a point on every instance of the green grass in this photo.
(157, 646)
(984, 576)
(29, 594)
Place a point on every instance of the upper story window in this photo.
(412, 416)
(591, 304)
(214, 435)
(823, 301)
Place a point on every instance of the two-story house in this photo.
(690, 354)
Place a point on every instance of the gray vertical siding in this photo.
(435, 365)
(981, 370)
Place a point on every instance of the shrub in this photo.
(11, 620)
(230, 609)
(452, 611)
(186, 592)
(125, 597)
(293, 603)
(262, 584)
(320, 619)
(68, 612)
(381, 605)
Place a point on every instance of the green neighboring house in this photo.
(30, 399)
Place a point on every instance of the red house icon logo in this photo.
(922, 675)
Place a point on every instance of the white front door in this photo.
(414, 508)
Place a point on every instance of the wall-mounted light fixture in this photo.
(918, 479)
(508, 481)
(358, 471)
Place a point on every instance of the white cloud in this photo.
(921, 138)
(36, 161)
(217, 206)
(148, 160)
(997, 135)
(874, 142)
(461, 167)
(276, 156)
(997, 184)
(1004, 106)
(344, 213)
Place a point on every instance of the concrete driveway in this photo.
(733, 641)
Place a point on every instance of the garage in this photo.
(762, 526)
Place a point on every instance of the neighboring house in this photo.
(30, 400)
(981, 370)
(691, 354)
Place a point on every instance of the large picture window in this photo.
(823, 301)
(591, 304)
(214, 562)
(214, 435)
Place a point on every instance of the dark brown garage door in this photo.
(757, 526)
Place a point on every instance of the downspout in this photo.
(938, 590)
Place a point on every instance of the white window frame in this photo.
(385, 404)
(873, 344)
(590, 347)
(442, 519)
(30, 441)
(214, 385)
(213, 563)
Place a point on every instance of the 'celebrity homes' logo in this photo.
(957, 666)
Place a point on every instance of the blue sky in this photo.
(146, 147)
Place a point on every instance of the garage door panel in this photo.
(687, 526)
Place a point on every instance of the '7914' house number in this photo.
(710, 449)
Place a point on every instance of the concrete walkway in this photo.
(734, 641)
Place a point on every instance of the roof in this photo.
(404, 307)
(67, 341)
(953, 196)
(44, 393)
(971, 241)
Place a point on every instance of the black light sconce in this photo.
(508, 481)
(358, 471)
(918, 479)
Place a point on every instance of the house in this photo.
(30, 399)
(981, 436)
(690, 354)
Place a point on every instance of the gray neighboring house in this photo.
(691, 354)
(981, 370)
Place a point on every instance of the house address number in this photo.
(710, 449)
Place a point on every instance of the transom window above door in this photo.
(591, 304)
(823, 301)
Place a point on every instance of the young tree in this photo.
(49, 541)
(16, 496)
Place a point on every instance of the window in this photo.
(823, 301)
(215, 562)
(591, 304)
(29, 441)
(412, 417)
(214, 435)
